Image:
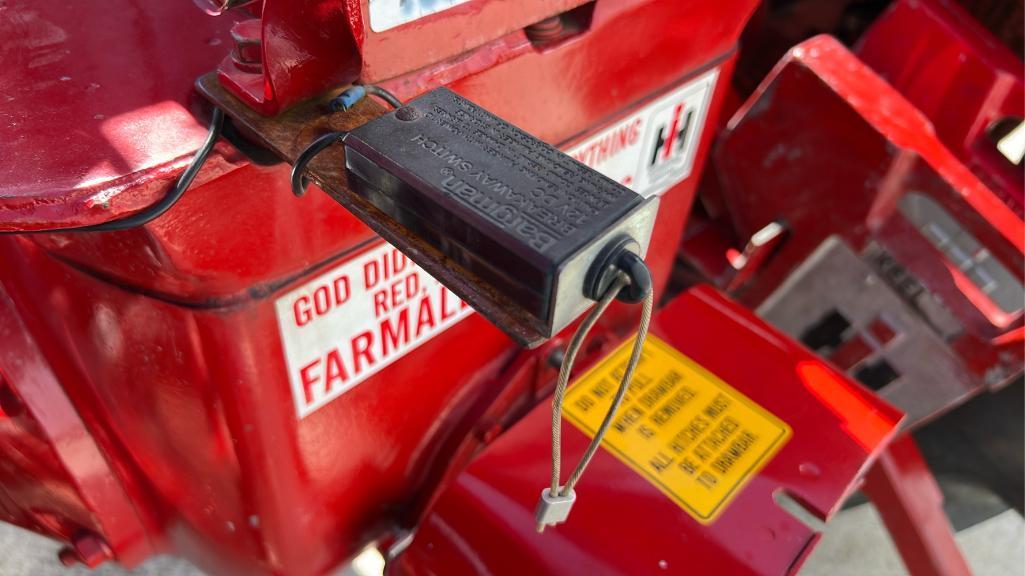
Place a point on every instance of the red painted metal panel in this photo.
(777, 164)
(169, 334)
(96, 106)
(622, 524)
(904, 491)
(960, 76)
(311, 46)
(55, 478)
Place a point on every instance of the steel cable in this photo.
(622, 280)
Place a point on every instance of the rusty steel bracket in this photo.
(288, 134)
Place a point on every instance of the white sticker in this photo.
(347, 324)
(653, 148)
(387, 14)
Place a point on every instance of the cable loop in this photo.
(383, 94)
(622, 281)
(299, 180)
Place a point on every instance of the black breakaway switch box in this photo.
(519, 214)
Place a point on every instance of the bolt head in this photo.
(408, 114)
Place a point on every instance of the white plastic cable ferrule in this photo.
(552, 510)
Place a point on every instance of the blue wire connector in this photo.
(348, 98)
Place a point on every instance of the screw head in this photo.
(408, 114)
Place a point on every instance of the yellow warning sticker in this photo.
(689, 433)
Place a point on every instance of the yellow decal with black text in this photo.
(689, 433)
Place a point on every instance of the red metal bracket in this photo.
(55, 478)
(907, 497)
(297, 50)
(953, 70)
(483, 522)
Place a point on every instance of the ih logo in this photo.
(672, 132)
(652, 149)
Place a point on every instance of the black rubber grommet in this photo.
(604, 269)
(640, 277)
(619, 255)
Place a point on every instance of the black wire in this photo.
(383, 94)
(165, 203)
(300, 182)
(183, 183)
(349, 97)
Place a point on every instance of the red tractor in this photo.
(815, 208)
